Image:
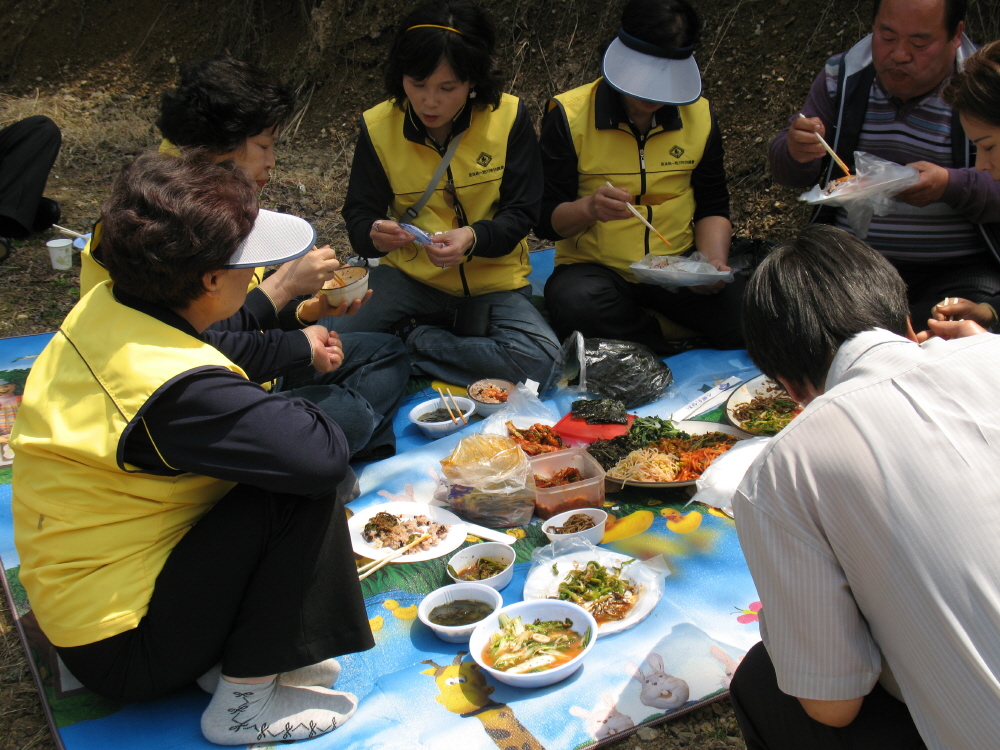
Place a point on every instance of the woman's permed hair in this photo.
(417, 52)
(220, 102)
(811, 295)
(169, 221)
(975, 91)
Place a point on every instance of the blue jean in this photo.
(361, 395)
(519, 344)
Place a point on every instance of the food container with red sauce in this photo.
(588, 493)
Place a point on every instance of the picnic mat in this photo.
(419, 692)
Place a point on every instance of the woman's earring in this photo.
(472, 94)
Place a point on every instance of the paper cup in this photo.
(61, 254)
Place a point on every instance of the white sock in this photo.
(240, 714)
(321, 674)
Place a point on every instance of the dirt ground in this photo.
(98, 68)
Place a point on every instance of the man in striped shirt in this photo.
(870, 523)
(884, 97)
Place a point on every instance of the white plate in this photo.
(456, 534)
(692, 427)
(746, 393)
(542, 583)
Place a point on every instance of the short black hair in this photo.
(417, 52)
(666, 23)
(169, 221)
(975, 90)
(811, 295)
(954, 14)
(220, 102)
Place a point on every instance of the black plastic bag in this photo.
(609, 368)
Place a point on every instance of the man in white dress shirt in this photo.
(871, 523)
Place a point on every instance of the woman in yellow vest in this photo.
(645, 128)
(162, 534)
(462, 302)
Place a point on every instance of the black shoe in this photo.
(48, 213)
(4, 249)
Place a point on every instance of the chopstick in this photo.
(441, 394)
(389, 558)
(455, 404)
(642, 218)
(833, 154)
(70, 232)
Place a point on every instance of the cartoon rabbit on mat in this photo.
(729, 664)
(605, 720)
(659, 689)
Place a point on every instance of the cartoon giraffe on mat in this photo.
(464, 691)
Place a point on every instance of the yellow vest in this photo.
(93, 272)
(476, 171)
(658, 177)
(93, 532)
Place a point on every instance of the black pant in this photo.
(27, 151)
(975, 278)
(772, 720)
(598, 302)
(265, 583)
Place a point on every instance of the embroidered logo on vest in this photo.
(677, 152)
(484, 159)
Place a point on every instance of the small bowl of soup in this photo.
(350, 283)
(453, 612)
(489, 563)
(546, 645)
(435, 422)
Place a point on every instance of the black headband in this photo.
(677, 53)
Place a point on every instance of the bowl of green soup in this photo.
(436, 419)
(453, 612)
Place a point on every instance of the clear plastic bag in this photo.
(552, 563)
(489, 481)
(675, 271)
(868, 193)
(523, 409)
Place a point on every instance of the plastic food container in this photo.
(593, 535)
(435, 430)
(502, 553)
(588, 493)
(537, 609)
(452, 593)
(355, 286)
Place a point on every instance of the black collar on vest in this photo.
(162, 314)
(414, 130)
(609, 111)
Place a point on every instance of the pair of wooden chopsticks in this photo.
(642, 218)
(453, 403)
(367, 570)
(833, 154)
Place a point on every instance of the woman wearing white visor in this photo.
(644, 128)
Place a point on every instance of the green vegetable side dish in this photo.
(519, 648)
(460, 612)
(767, 414)
(479, 570)
(602, 592)
(644, 430)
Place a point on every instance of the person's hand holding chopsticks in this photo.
(803, 145)
(610, 204)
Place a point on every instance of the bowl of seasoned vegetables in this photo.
(454, 611)
(583, 523)
(534, 643)
(489, 563)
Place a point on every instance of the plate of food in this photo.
(761, 407)
(659, 453)
(617, 590)
(379, 530)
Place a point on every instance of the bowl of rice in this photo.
(348, 284)
(490, 395)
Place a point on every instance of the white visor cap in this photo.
(650, 77)
(275, 238)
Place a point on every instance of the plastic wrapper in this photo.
(722, 478)
(675, 271)
(489, 482)
(523, 409)
(868, 193)
(608, 368)
(551, 564)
